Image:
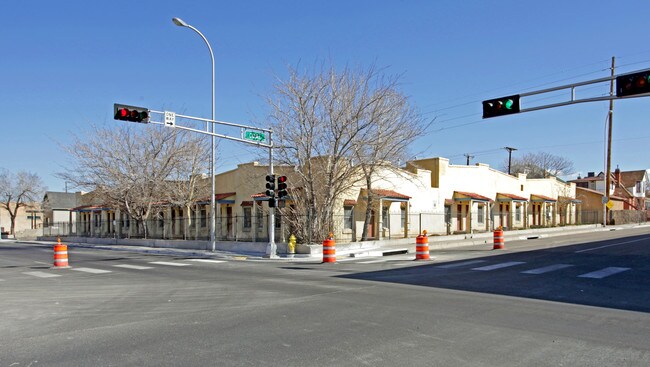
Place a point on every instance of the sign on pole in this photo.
(170, 118)
(254, 135)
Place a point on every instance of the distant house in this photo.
(630, 187)
(57, 208)
(592, 204)
(636, 183)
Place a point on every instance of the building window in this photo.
(247, 218)
(447, 214)
(518, 213)
(278, 219)
(204, 218)
(403, 216)
(260, 218)
(347, 217)
(384, 217)
(481, 213)
(638, 188)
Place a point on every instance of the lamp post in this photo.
(179, 22)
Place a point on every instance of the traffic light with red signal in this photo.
(501, 106)
(130, 113)
(633, 84)
(282, 186)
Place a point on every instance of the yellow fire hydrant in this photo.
(292, 244)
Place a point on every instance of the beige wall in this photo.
(24, 218)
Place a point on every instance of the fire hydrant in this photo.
(292, 245)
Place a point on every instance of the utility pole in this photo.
(609, 146)
(468, 157)
(509, 149)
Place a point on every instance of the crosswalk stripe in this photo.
(602, 273)
(91, 270)
(168, 263)
(208, 261)
(547, 269)
(41, 274)
(499, 266)
(135, 267)
(462, 263)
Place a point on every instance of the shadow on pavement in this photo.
(627, 290)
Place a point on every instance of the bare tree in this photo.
(394, 125)
(540, 165)
(334, 127)
(19, 190)
(137, 170)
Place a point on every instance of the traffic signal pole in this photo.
(271, 248)
(169, 120)
(630, 85)
(609, 145)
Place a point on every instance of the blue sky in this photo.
(64, 64)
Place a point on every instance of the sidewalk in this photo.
(358, 249)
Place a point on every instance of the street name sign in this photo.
(254, 135)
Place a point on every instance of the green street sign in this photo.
(254, 136)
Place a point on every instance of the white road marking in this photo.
(168, 263)
(41, 274)
(372, 261)
(136, 267)
(208, 261)
(613, 244)
(499, 266)
(547, 269)
(458, 265)
(602, 273)
(91, 270)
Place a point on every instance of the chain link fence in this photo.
(346, 228)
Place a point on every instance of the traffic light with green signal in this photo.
(501, 106)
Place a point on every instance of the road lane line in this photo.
(499, 266)
(91, 270)
(135, 267)
(613, 244)
(41, 274)
(458, 265)
(602, 273)
(168, 263)
(547, 269)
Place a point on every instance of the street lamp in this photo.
(179, 22)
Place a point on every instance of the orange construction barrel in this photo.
(60, 255)
(329, 251)
(499, 242)
(422, 247)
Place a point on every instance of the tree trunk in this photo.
(369, 206)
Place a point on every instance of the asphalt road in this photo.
(581, 300)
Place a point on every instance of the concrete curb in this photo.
(313, 252)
